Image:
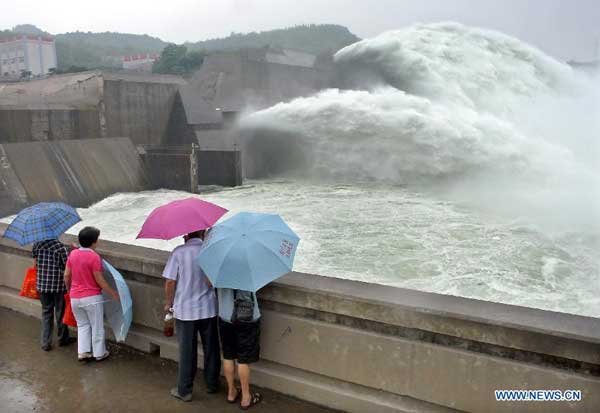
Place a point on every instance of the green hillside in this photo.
(81, 50)
(313, 38)
(98, 50)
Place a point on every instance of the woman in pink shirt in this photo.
(85, 281)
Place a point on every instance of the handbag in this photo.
(69, 317)
(243, 307)
(29, 289)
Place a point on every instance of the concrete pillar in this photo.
(194, 169)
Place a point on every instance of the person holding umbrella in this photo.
(85, 281)
(188, 292)
(42, 224)
(240, 256)
(191, 298)
(239, 328)
(50, 259)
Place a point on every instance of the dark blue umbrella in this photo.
(47, 220)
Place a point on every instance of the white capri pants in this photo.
(89, 313)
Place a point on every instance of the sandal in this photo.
(256, 398)
(238, 393)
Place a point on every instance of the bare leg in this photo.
(229, 370)
(244, 372)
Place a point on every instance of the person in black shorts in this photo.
(240, 340)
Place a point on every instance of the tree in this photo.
(178, 61)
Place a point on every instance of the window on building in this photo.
(21, 59)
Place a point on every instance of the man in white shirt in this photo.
(191, 296)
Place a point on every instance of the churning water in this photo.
(455, 160)
(496, 144)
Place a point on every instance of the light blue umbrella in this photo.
(118, 314)
(40, 222)
(248, 251)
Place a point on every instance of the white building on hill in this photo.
(29, 53)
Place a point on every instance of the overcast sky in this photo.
(564, 28)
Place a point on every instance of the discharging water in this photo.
(398, 236)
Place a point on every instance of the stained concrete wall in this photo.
(234, 81)
(24, 125)
(138, 110)
(169, 167)
(88, 105)
(184, 168)
(361, 347)
(222, 168)
(78, 172)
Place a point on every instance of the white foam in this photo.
(397, 236)
(490, 119)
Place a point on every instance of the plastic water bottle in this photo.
(169, 323)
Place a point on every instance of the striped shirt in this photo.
(194, 298)
(50, 259)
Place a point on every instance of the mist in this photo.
(471, 114)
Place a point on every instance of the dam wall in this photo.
(51, 123)
(88, 105)
(258, 78)
(362, 347)
(78, 172)
(138, 107)
(185, 167)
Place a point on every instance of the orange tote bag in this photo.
(29, 289)
(69, 318)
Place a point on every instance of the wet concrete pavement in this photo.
(32, 380)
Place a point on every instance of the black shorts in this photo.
(240, 341)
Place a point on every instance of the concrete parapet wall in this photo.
(362, 347)
(78, 172)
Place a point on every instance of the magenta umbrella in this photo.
(179, 218)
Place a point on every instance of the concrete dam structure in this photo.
(78, 172)
(362, 347)
(88, 105)
(153, 111)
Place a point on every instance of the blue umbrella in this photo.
(47, 220)
(117, 313)
(248, 251)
